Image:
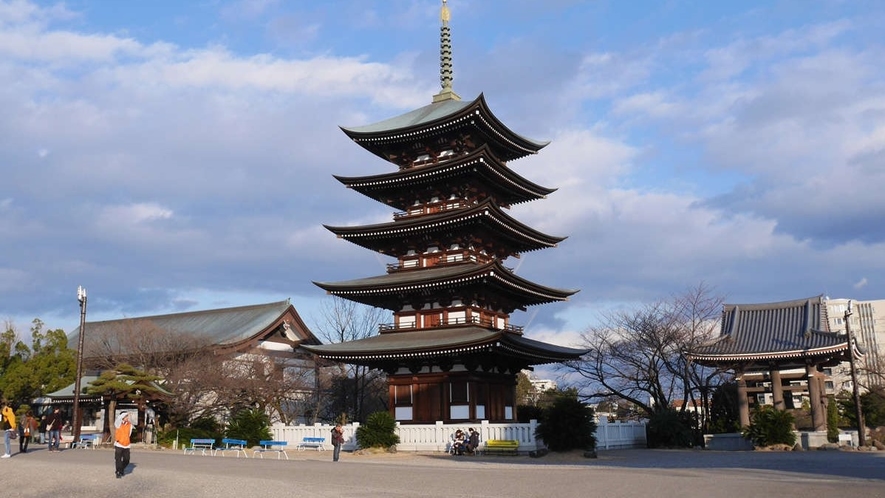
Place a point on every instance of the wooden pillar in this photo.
(743, 401)
(777, 390)
(818, 416)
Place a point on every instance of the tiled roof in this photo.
(443, 342)
(222, 327)
(438, 118)
(508, 230)
(507, 185)
(446, 276)
(422, 116)
(773, 331)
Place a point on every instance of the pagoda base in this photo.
(452, 397)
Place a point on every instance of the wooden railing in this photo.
(474, 320)
(434, 208)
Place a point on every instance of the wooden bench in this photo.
(312, 442)
(278, 446)
(236, 445)
(203, 445)
(504, 446)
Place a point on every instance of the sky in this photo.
(174, 156)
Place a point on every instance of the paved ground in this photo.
(621, 473)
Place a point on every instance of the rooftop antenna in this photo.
(445, 57)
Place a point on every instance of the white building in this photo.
(867, 322)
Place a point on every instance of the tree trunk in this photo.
(110, 414)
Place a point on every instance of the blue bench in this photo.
(203, 445)
(277, 446)
(236, 445)
(312, 442)
(87, 441)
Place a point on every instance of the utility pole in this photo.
(852, 345)
(78, 420)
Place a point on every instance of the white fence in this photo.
(438, 437)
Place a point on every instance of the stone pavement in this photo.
(619, 473)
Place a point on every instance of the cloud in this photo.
(162, 173)
(132, 214)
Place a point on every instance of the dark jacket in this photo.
(54, 421)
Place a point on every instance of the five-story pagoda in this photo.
(451, 353)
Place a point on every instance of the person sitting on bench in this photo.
(472, 440)
(459, 443)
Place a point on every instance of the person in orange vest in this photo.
(122, 433)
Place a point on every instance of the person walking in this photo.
(54, 422)
(44, 436)
(9, 425)
(27, 430)
(337, 441)
(122, 443)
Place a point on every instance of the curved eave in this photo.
(550, 353)
(522, 189)
(410, 344)
(438, 278)
(767, 356)
(484, 212)
(431, 343)
(223, 329)
(437, 118)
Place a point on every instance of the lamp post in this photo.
(78, 423)
(861, 430)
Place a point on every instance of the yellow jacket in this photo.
(9, 416)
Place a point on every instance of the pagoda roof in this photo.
(224, 328)
(784, 333)
(508, 186)
(391, 236)
(397, 346)
(386, 291)
(439, 118)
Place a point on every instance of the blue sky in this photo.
(173, 156)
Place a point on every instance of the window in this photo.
(459, 392)
(403, 395)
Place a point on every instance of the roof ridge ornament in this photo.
(445, 57)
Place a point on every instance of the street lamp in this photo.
(78, 422)
(852, 344)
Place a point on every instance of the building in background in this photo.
(868, 325)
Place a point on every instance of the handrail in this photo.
(438, 260)
(474, 320)
(436, 207)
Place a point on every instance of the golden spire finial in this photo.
(445, 57)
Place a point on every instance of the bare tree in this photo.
(143, 344)
(275, 385)
(352, 390)
(871, 370)
(187, 363)
(637, 355)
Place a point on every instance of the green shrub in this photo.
(670, 429)
(724, 415)
(250, 424)
(769, 426)
(872, 403)
(526, 413)
(378, 431)
(832, 420)
(206, 424)
(184, 435)
(567, 424)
